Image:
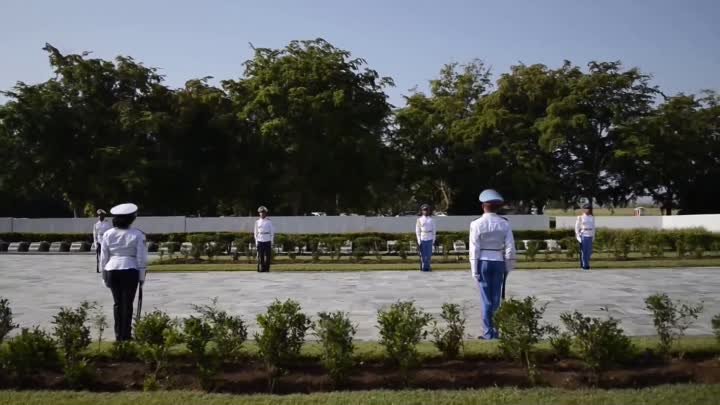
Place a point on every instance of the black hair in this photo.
(123, 221)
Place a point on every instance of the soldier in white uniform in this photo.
(99, 229)
(124, 260)
(425, 232)
(492, 257)
(585, 234)
(264, 235)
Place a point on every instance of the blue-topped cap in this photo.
(490, 195)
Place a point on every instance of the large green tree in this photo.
(584, 130)
(430, 132)
(67, 134)
(674, 154)
(322, 117)
(506, 133)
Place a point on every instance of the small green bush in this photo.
(716, 326)
(79, 374)
(402, 327)
(449, 340)
(283, 327)
(196, 334)
(599, 343)
(621, 245)
(29, 353)
(172, 248)
(671, 319)
(199, 245)
(124, 351)
(214, 249)
(335, 332)
(73, 336)
(533, 248)
(228, 332)
(561, 342)
(6, 319)
(99, 321)
(155, 334)
(71, 331)
(518, 324)
(571, 247)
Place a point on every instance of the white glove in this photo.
(509, 266)
(579, 239)
(473, 268)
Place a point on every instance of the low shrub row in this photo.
(621, 242)
(304, 239)
(214, 338)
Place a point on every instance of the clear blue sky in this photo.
(676, 41)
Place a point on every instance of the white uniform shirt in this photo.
(124, 249)
(585, 226)
(99, 230)
(491, 239)
(425, 228)
(264, 230)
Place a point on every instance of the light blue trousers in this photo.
(490, 280)
(586, 248)
(426, 247)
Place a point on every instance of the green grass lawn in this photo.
(691, 346)
(663, 395)
(601, 261)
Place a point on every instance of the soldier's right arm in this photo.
(578, 226)
(418, 230)
(472, 247)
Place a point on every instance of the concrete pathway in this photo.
(37, 286)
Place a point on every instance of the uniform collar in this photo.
(489, 214)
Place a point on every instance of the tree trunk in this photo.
(446, 194)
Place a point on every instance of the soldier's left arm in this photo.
(141, 255)
(509, 251)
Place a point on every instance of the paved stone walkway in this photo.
(38, 285)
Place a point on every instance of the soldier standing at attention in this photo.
(425, 232)
(99, 229)
(585, 234)
(492, 257)
(124, 261)
(264, 235)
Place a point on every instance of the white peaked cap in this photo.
(124, 209)
(490, 195)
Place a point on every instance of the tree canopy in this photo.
(309, 128)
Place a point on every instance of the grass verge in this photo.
(662, 395)
(634, 263)
(690, 346)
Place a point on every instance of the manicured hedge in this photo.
(653, 242)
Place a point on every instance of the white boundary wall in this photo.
(350, 224)
(709, 222)
(291, 225)
(6, 225)
(353, 224)
(85, 225)
(613, 222)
